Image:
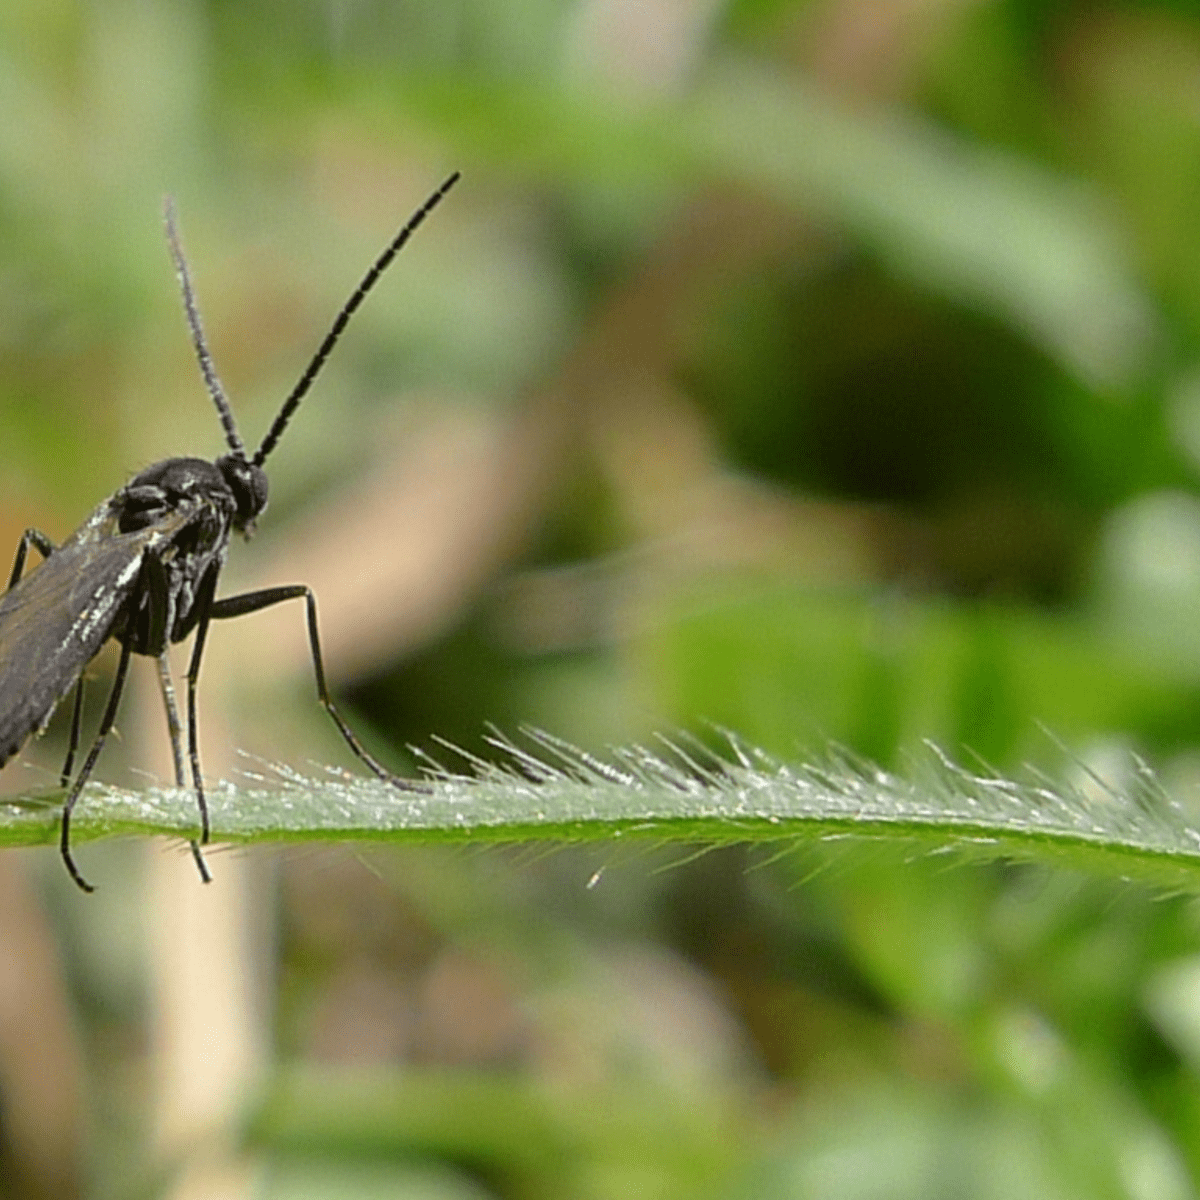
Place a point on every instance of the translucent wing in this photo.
(53, 623)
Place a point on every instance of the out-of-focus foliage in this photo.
(826, 371)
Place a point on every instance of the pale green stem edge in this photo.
(546, 790)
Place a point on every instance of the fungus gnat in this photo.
(143, 569)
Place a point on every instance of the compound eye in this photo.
(249, 486)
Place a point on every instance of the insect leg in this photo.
(154, 576)
(106, 723)
(31, 537)
(154, 580)
(250, 602)
(204, 603)
(73, 741)
(167, 687)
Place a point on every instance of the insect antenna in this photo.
(340, 322)
(207, 369)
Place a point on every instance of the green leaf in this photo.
(551, 791)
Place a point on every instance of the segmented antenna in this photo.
(348, 309)
(215, 390)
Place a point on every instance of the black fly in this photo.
(143, 569)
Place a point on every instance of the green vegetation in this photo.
(811, 385)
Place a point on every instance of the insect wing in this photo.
(53, 623)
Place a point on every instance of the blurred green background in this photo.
(824, 371)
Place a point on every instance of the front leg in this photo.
(207, 610)
(158, 629)
(167, 688)
(251, 602)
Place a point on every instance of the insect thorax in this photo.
(197, 490)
